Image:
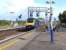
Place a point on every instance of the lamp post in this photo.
(12, 22)
(50, 2)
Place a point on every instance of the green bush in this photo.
(21, 22)
(4, 22)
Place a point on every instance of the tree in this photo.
(19, 17)
(62, 17)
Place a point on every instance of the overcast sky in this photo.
(19, 6)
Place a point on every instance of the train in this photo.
(29, 25)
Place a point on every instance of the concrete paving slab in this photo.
(42, 43)
(21, 43)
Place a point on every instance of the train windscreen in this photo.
(30, 20)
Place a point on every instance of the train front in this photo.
(30, 23)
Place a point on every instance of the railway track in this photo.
(9, 34)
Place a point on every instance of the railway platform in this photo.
(42, 42)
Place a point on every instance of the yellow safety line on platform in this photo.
(8, 45)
